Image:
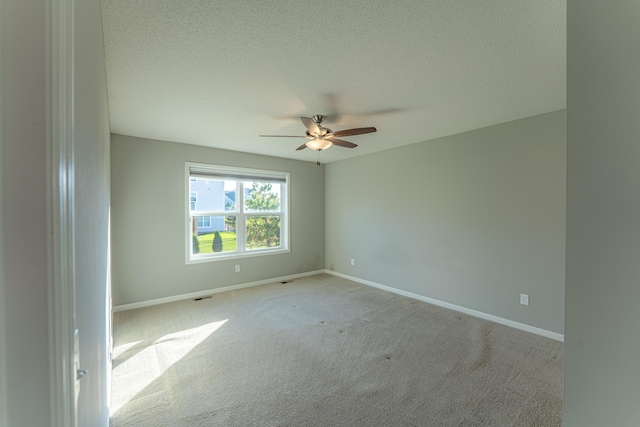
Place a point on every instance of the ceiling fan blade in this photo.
(311, 126)
(302, 147)
(341, 143)
(350, 132)
(284, 136)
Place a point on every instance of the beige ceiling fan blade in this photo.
(283, 136)
(312, 127)
(302, 147)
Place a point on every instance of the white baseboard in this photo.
(522, 326)
(199, 294)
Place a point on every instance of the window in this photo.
(193, 198)
(204, 222)
(235, 212)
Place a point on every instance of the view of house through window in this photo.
(235, 212)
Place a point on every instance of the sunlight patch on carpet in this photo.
(157, 356)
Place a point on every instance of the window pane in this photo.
(208, 193)
(262, 196)
(262, 232)
(212, 234)
(230, 204)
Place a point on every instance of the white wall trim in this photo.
(212, 291)
(59, 108)
(524, 327)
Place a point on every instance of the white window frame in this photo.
(240, 174)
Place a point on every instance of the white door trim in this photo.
(60, 210)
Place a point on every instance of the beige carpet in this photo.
(323, 351)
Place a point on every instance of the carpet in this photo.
(325, 351)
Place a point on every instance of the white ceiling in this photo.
(219, 72)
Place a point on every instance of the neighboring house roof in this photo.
(229, 197)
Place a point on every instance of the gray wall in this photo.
(148, 217)
(24, 218)
(24, 273)
(602, 349)
(472, 219)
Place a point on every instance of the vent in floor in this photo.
(201, 298)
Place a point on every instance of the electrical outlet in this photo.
(353, 261)
(524, 299)
(237, 268)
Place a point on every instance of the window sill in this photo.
(209, 258)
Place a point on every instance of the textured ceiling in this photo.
(218, 73)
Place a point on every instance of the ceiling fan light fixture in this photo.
(319, 144)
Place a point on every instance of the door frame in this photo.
(59, 108)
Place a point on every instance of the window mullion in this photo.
(241, 222)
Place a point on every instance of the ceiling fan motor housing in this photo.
(318, 118)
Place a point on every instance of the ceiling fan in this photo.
(321, 138)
